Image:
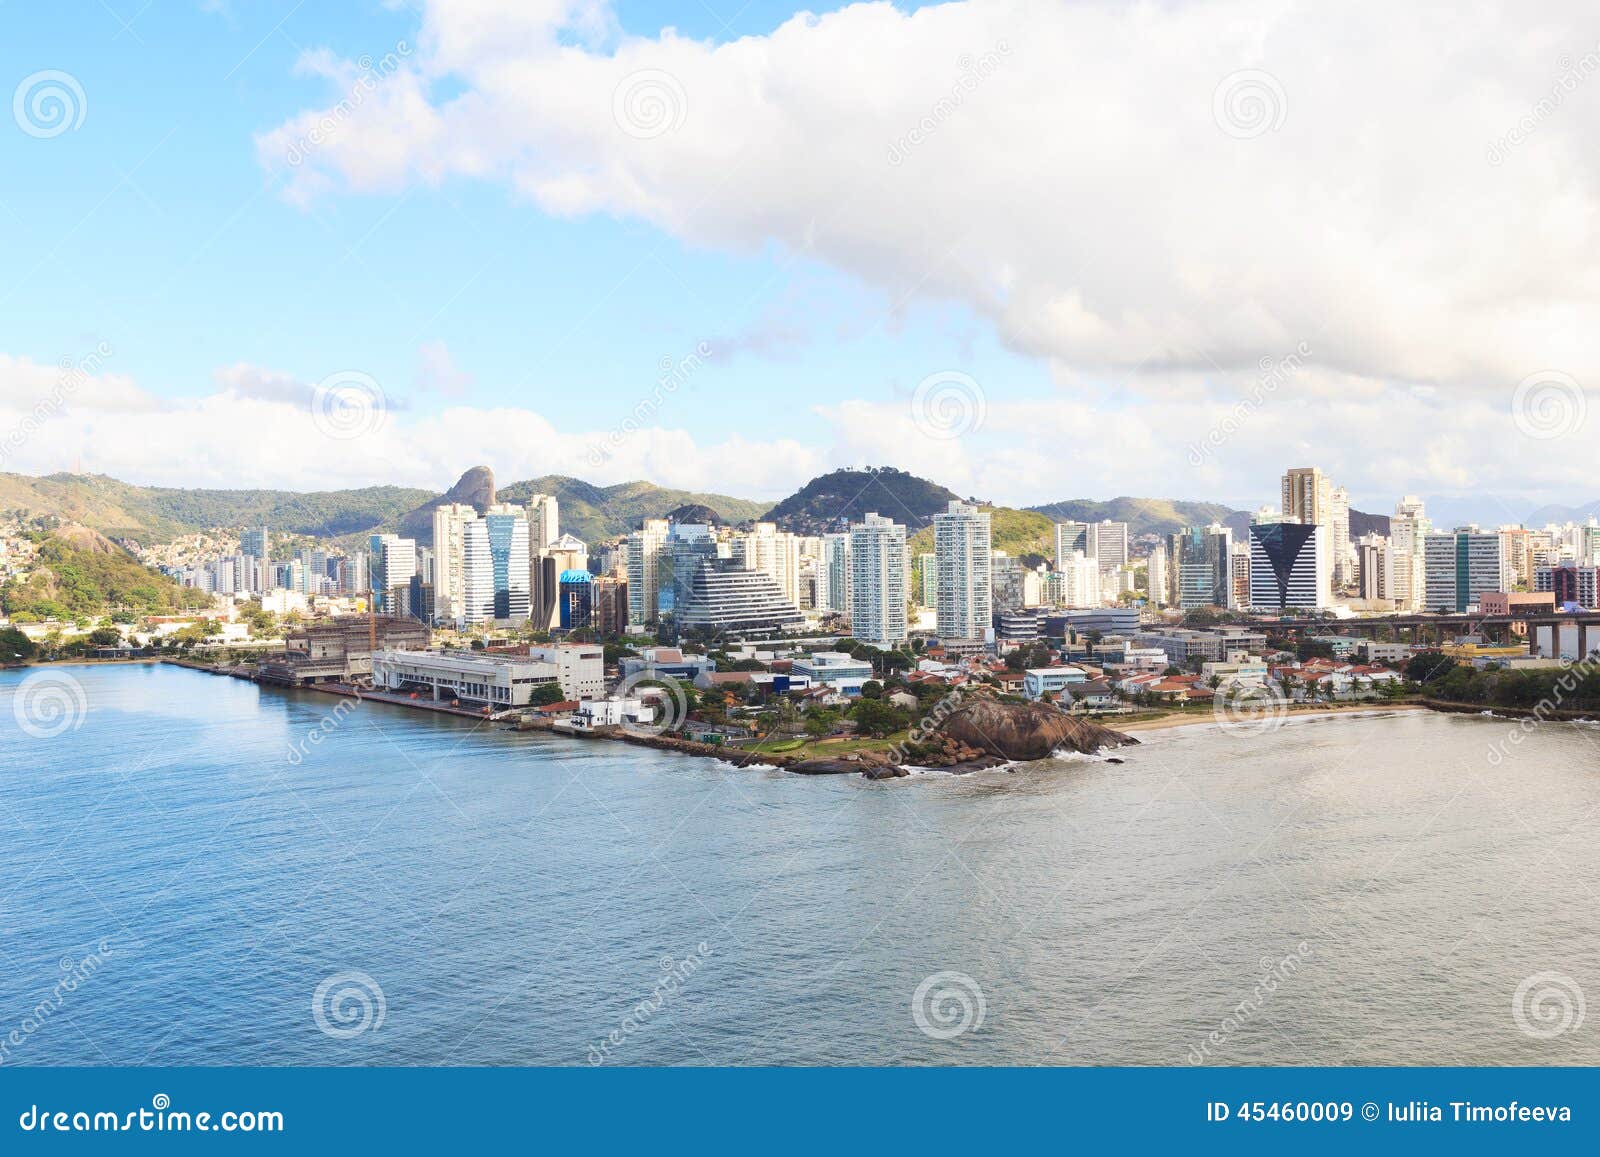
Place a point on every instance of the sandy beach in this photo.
(1317, 711)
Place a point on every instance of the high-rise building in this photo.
(1080, 582)
(1110, 542)
(394, 562)
(544, 522)
(449, 566)
(833, 574)
(544, 586)
(1570, 583)
(256, 542)
(643, 549)
(1287, 570)
(1461, 565)
(610, 605)
(878, 581)
(1374, 567)
(1008, 583)
(1201, 558)
(1072, 538)
(477, 575)
(1408, 527)
(1339, 536)
(508, 551)
(1157, 580)
(775, 553)
(962, 553)
(928, 569)
(1308, 498)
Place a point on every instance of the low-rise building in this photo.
(834, 669)
(477, 679)
(1040, 681)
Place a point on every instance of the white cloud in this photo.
(1061, 169)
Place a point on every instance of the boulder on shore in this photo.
(1026, 731)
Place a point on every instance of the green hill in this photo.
(825, 503)
(155, 514)
(1020, 533)
(596, 513)
(1143, 515)
(79, 573)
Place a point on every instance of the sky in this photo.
(1033, 251)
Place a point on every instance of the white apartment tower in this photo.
(643, 549)
(449, 530)
(962, 552)
(878, 581)
(544, 521)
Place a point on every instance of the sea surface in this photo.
(187, 876)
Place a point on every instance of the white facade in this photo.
(644, 571)
(1080, 581)
(449, 567)
(775, 553)
(963, 555)
(878, 581)
(544, 521)
(477, 575)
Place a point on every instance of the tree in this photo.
(1429, 667)
(15, 647)
(875, 718)
(872, 689)
(545, 694)
(105, 637)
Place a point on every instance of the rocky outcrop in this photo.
(1025, 731)
(475, 488)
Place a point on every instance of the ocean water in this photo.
(188, 877)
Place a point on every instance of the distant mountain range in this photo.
(154, 514)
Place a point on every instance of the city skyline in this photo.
(570, 284)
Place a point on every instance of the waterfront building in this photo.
(1287, 567)
(878, 581)
(497, 680)
(1038, 682)
(339, 650)
(963, 556)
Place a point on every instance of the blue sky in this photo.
(1164, 251)
(155, 227)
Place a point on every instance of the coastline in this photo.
(1176, 720)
